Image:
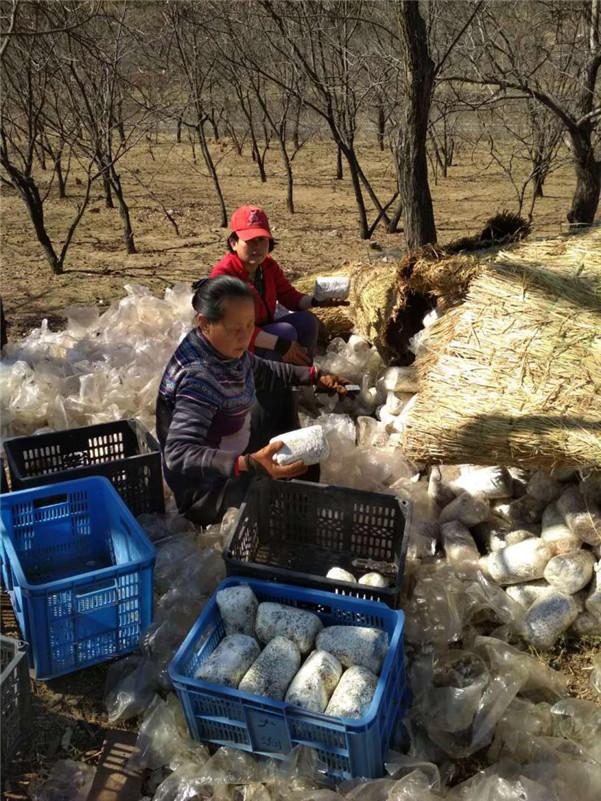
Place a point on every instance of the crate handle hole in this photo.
(92, 589)
(51, 500)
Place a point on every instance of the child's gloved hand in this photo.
(326, 304)
(332, 383)
(261, 462)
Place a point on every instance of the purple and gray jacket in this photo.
(204, 408)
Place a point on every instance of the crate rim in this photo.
(20, 653)
(287, 710)
(405, 508)
(134, 422)
(83, 578)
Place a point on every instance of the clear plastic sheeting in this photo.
(434, 614)
(130, 687)
(465, 701)
(67, 781)
(543, 780)
(580, 721)
(352, 360)
(163, 736)
(98, 369)
(360, 466)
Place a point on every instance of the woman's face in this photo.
(252, 252)
(231, 335)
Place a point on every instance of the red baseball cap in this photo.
(250, 221)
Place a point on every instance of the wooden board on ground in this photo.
(114, 781)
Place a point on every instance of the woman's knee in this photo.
(307, 326)
(286, 331)
(312, 322)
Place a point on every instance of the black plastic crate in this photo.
(295, 531)
(15, 697)
(124, 451)
(3, 479)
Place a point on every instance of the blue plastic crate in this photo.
(78, 569)
(346, 748)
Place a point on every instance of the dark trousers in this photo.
(274, 413)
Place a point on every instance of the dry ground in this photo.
(69, 717)
(320, 236)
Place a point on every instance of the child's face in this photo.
(252, 252)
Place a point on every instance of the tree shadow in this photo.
(479, 432)
(558, 284)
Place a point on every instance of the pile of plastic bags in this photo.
(98, 369)
(486, 546)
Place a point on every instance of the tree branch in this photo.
(451, 47)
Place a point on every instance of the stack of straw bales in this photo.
(513, 375)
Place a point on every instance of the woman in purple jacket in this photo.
(213, 435)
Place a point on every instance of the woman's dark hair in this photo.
(210, 295)
(233, 238)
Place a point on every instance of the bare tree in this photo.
(29, 71)
(420, 72)
(326, 43)
(558, 68)
(62, 83)
(280, 108)
(93, 68)
(544, 144)
(193, 54)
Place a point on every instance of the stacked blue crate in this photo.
(78, 569)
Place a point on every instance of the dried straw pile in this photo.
(513, 375)
(389, 300)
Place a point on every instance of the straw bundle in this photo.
(389, 300)
(335, 321)
(513, 375)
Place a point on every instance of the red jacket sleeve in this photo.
(286, 293)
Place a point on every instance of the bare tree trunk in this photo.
(60, 177)
(393, 225)
(256, 153)
(214, 126)
(212, 171)
(289, 177)
(41, 153)
(35, 207)
(339, 173)
(178, 131)
(381, 124)
(296, 125)
(440, 158)
(128, 234)
(356, 182)
(106, 183)
(588, 180)
(540, 172)
(420, 228)
(192, 140)
(36, 212)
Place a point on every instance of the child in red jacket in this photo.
(293, 337)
